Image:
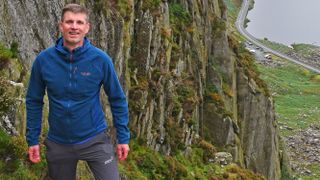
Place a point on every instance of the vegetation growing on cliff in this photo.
(13, 159)
(145, 163)
(247, 62)
(179, 18)
(150, 5)
(6, 95)
(6, 98)
(5, 55)
(124, 7)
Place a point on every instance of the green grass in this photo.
(315, 169)
(296, 95)
(278, 46)
(306, 50)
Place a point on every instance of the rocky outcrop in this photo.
(12, 97)
(258, 125)
(174, 60)
(304, 149)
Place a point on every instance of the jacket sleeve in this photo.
(118, 102)
(34, 104)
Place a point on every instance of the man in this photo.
(72, 73)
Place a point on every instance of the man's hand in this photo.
(34, 153)
(122, 151)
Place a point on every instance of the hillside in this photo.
(193, 90)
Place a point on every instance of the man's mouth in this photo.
(73, 33)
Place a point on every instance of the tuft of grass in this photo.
(180, 18)
(185, 92)
(6, 100)
(218, 28)
(150, 4)
(5, 55)
(125, 8)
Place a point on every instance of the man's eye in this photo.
(69, 22)
(80, 22)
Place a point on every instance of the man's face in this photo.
(74, 27)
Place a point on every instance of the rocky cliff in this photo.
(186, 79)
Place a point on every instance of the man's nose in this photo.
(74, 25)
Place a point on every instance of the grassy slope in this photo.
(296, 94)
(305, 50)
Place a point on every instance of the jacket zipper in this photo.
(70, 75)
(70, 87)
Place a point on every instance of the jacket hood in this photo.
(76, 52)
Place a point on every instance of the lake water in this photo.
(286, 21)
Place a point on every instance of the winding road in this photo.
(240, 26)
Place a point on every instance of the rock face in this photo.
(257, 127)
(183, 80)
(31, 24)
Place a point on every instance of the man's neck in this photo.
(71, 47)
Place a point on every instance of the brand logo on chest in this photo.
(85, 73)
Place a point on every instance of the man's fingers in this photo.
(34, 153)
(119, 153)
(35, 158)
(122, 151)
(125, 153)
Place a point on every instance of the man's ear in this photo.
(88, 28)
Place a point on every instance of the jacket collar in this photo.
(76, 52)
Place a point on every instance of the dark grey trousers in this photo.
(97, 152)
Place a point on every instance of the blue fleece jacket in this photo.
(72, 81)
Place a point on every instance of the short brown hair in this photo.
(75, 8)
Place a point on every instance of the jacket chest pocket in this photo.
(88, 81)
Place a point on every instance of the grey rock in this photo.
(223, 158)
